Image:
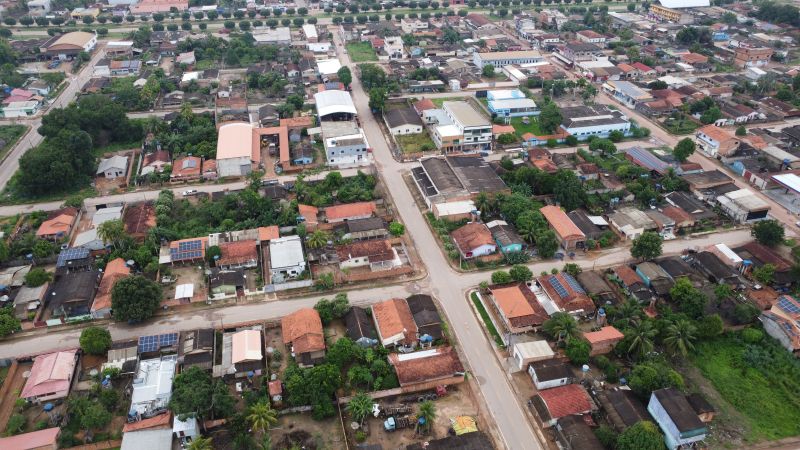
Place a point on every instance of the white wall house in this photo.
(676, 418)
(549, 374)
(500, 59)
(286, 258)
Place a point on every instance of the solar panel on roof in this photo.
(167, 340)
(788, 306)
(560, 290)
(154, 343)
(574, 283)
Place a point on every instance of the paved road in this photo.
(33, 138)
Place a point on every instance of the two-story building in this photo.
(462, 128)
(715, 141)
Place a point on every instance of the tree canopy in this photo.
(134, 299)
(647, 246)
(95, 340)
(195, 393)
(768, 232)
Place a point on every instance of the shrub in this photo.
(578, 351)
(501, 277)
(607, 436)
(95, 340)
(752, 335)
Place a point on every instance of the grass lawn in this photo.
(521, 128)
(361, 52)
(9, 135)
(486, 320)
(117, 146)
(764, 398)
(414, 143)
(679, 126)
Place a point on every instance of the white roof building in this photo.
(152, 387)
(334, 101)
(103, 215)
(310, 31)
(327, 67)
(286, 256)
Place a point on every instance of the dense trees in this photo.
(690, 300)
(550, 118)
(195, 393)
(335, 309)
(643, 435)
(65, 160)
(135, 299)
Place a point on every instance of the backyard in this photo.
(531, 127)
(361, 52)
(415, 143)
(679, 125)
(758, 378)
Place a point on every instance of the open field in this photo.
(361, 52)
(414, 143)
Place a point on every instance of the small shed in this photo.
(184, 291)
(525, 353)
(603, 340)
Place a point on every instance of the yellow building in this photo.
(669, 14)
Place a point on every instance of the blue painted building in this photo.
(511, 103)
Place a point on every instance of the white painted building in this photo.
(549, 373)
(500, 59)
(286, 258)
(20, 109)
(598, 120)
(235, 150)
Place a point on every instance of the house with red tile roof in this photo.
(395, 323)
(439, 364)
(474, 240)
(237, 255)
(186, 168)
(565, 294)
(138, 220)
(568, 234)
(570, 400)
(266, 234)
(644, 70)
(377, 254)
(310, 215)
(51, 376)
(423, 105)
(302, 332)
(59, 224)
(603, 340)
(518, 308)
(116, 270)
(349, 211)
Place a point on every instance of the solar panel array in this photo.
(188, 250)
(154, 343)
(574, 283)
(72, 254)
(560, 289)
(788, 306)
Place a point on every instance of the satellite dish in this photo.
(354, 425)
(26, 374)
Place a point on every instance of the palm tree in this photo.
(261, 416)
(641, 338)
(427, 411)
(628, 313)
(484, 203)
(562, 326)
(360, 406)
(318, 239)
(111, 231)
(527, 232)
(201, 443)
(680, 337)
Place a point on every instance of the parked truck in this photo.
(399, 422)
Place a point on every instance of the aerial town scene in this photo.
(399, 224)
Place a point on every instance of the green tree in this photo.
(37, 277)
(711, 115)
(647, 246)
(318, 239)
(329, 310)
(568, 190)
(262, 417)
(710, 327)
(577, 351)
(95, 340)
(360, 406)
(196, 394)
(764, 274)
(501, 277)
(572, 269)
(741, 131)
(690, 300)
(15, 424)
(111, 232)
(325, 282)
(94, 416)
(427, 411)
(520, 273)
(134, 299)
(684, 149)
(546, 243)
(488, 71)
(550, 118)
(723, 292)
(679, 337)
(745, 313)
(201, 443)
(377, 99)
(8, 323)
(561, 326)
(643, 435)
(768, 232)
(640, 338)
(345, 76)
(397, 229)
